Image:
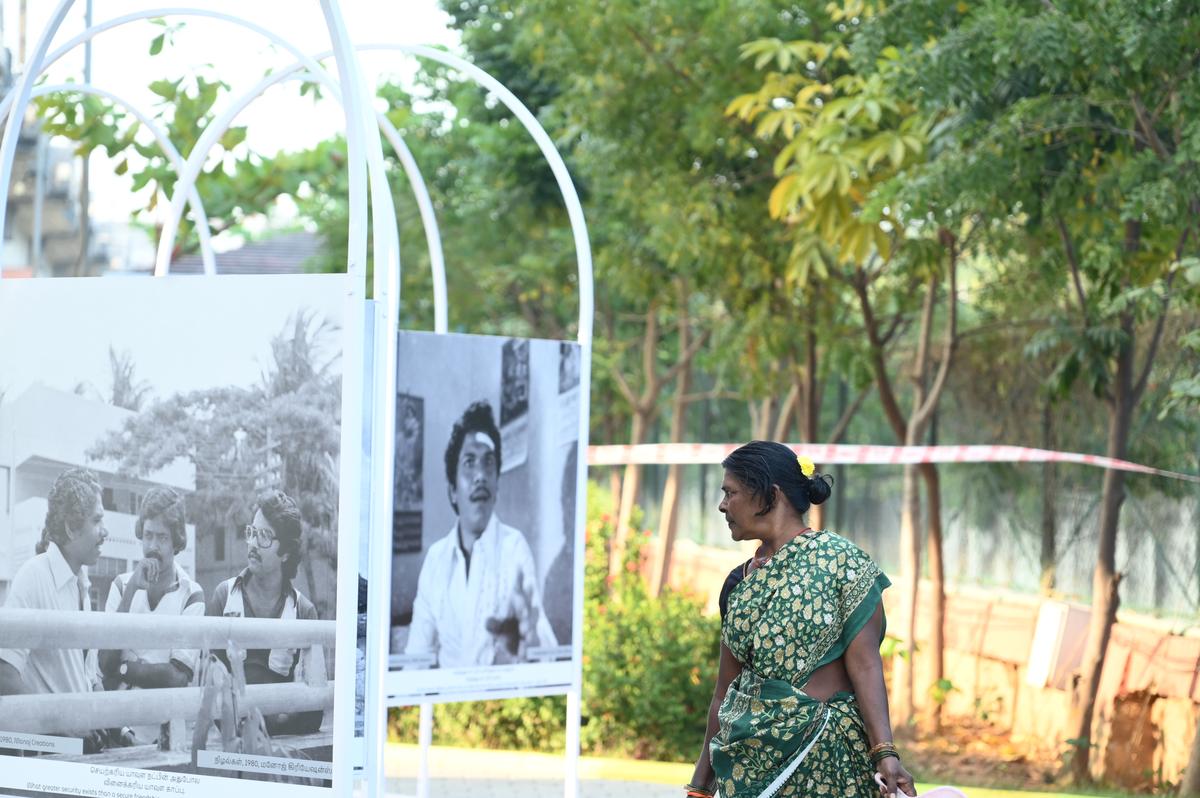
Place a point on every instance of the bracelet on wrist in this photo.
(695, 791)
(882, 751)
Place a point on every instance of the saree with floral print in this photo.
(785, 620)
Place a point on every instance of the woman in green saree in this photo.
(800, 706)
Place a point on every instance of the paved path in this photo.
(463, 773)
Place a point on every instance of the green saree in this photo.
(796, 613)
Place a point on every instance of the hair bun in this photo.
(819, 488)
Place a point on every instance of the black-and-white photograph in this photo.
(484, 539)
(169, 508)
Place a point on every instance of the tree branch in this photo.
(843, 423)
(896, 324)
(921, 361)
(1139, 387)
(887, 395)
(649, 50)
(1147, 126)
(951, 338)
(649, 347)
(785, 412)
(624, 387)
(704, 396)
(1073, 262)
(686, 357)
(1170, 90)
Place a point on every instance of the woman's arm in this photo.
(729, 668)
(865, 669)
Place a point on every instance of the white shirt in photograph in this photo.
(46, 582)
(184, 598)
(453, 603)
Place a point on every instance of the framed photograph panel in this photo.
(485, 542)
(178, 537)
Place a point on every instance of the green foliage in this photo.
(235, 184)
(649, 666)
(940, 690)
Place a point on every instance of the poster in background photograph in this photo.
(484, 541)
(172, 484)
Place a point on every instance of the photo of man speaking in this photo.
(478, 601)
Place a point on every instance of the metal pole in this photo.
(39, 201)
(20, 101)
(22, 24)
(85, 216)
(425, 739)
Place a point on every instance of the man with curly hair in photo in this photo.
(55, 579)
(157, 585)
(478, 599)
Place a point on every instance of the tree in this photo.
(640, 114)
(850, 138)
(236, 184)
(127, 390)
(1074, 122)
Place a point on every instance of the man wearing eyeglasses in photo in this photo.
(157, 585)
(265, 589)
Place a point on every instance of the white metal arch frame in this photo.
(164, 142)
(583, 254)
(570, 197)
(365, 156)
(19, 100)
(412, 171)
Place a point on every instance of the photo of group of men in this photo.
(171, 487)
(56, 578)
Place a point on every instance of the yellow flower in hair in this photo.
(806, 466)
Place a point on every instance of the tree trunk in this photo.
(631, 483)
(910, 569)
(810, 408)
(614, 485)
(761, 416)
(937, 578)
(669, 518)
(85, 223)
(1105, 579)
(1190, 786)
(1049, 554)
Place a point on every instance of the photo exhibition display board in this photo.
(180, 499)
(486, 535)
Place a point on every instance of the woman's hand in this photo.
(895, 778)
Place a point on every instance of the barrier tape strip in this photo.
(851, 454)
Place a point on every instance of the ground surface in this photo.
(967, 757)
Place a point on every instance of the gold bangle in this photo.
(888, 746)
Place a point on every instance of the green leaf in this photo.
(156, 44)
(233, 137)
(165, 89)
(1191, 269)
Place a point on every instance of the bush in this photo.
(648, 670)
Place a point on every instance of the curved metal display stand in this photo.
(369, 193)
